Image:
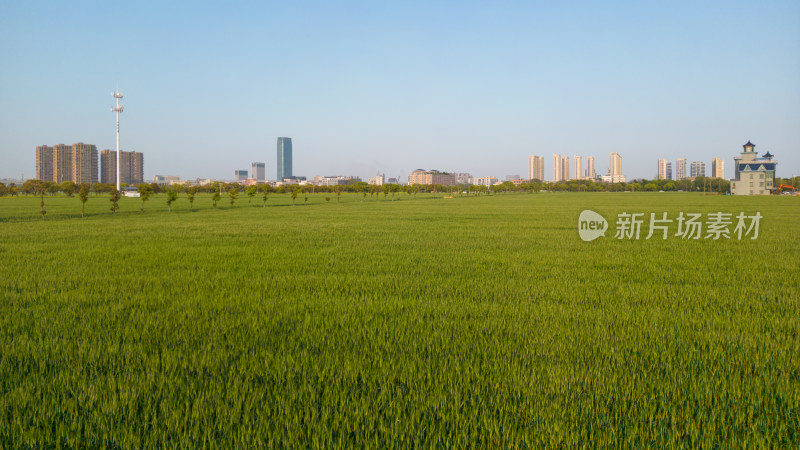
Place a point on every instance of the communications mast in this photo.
(118, 109)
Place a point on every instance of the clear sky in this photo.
(370, 86)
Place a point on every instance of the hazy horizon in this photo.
(363, 88)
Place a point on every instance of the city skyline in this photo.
(388, 88)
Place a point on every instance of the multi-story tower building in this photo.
(284, 158)
(717, 168)
(669, 171)
(662, 169)
(421, 176)
(239, 175)
(565, 168)
(536, 168)
(44, 163)
(590, 173)
(698, 169)
(754, 175)
(259, 171)
(62, 163)
(108, 167)
(615, 168)
(377, 180)
(137, 167)
(131, 167)
(557, 176)
(578, 169)
(680, 169)
(84, 163)
(464, 178)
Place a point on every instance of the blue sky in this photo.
(366, 87)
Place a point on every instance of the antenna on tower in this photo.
(118, 109)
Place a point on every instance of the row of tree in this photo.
(68, 188)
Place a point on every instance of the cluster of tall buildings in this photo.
(696, 169)
(561, 168)
(79, 163)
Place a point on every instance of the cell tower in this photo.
(118, 109)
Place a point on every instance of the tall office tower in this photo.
(84, 163)
(564, 168)
(616, 167)
(284, 158)
(108, 167)
(662, 169)
(62, 163)
(680, 169)
(669, 171)
(717, 168)
(239, 175)
(259, 171)
(44, 163)
(590, 173)
(536, 168)
(698, 169)
(578, 169)
(556, 167)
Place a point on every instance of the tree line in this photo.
(699, 184)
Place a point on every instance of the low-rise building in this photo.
(421, 176)
(754, 175)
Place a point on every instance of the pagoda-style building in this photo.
(754, 175)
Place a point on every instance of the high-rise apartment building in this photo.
(717, 168)
(698, 169)
(536, 168)
(284, 158)
(259, 171)
(669, 171)
(131, 167)
(578, 169)
(680, 169)
(108, 167)
(44, 163)
(84, 163)
(662, 169)
(62, 163)
(565, 168)
(590, 172)
(557, 176)
(615, 168)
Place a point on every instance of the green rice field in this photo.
(474, 321)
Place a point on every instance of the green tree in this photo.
(215, 198)
(265, 190)
(68, 188)
(171, 197)
(145, 191)
(234, 194)
(294, 195)
(251, 192)
(84, 196)
(40, 188)
(190, 193)
(115, 196)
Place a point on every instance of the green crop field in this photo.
(420, 322)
